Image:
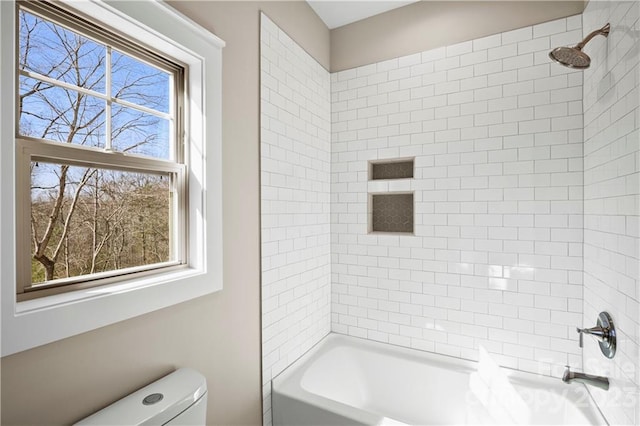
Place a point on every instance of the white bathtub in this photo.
(350, 381)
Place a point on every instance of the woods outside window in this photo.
(101, 176)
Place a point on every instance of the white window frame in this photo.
(30, 323)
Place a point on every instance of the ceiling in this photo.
(336, 13)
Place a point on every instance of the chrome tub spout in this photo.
(574, 376)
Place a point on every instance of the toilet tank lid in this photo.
(179, 390)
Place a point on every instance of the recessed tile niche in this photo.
(396, 169)
(390, 207)
(391, 212)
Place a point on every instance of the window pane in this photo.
(51, 50)
(61, 115)
(136, 132)
(137, 82)
(87, 220)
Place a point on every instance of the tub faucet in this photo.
(601, 333)
(573, 376)
(604, 332)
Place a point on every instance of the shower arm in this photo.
(604, 31)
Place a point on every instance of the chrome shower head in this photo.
(571, 57)
(574, 57)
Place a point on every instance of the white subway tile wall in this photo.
(496, 260)
(612, 201)
(510, 251)
(295, 144)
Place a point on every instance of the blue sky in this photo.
(51, 50)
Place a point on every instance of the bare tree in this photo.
(50, 112)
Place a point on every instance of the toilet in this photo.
(179, 398)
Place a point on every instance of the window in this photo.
(119, 125)
(98, 142)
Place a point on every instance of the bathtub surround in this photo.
(495, 261)
(500, 255)
(295, 177)
(611, 194)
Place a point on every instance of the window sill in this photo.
(48, 319)
(162, 278)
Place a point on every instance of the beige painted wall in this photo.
(218, 334)
(429, 24)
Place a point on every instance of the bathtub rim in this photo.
(294, 390)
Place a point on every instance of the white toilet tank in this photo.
(179, 398)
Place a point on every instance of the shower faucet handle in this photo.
(580, 338)
(602, 334)
(605, 333)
